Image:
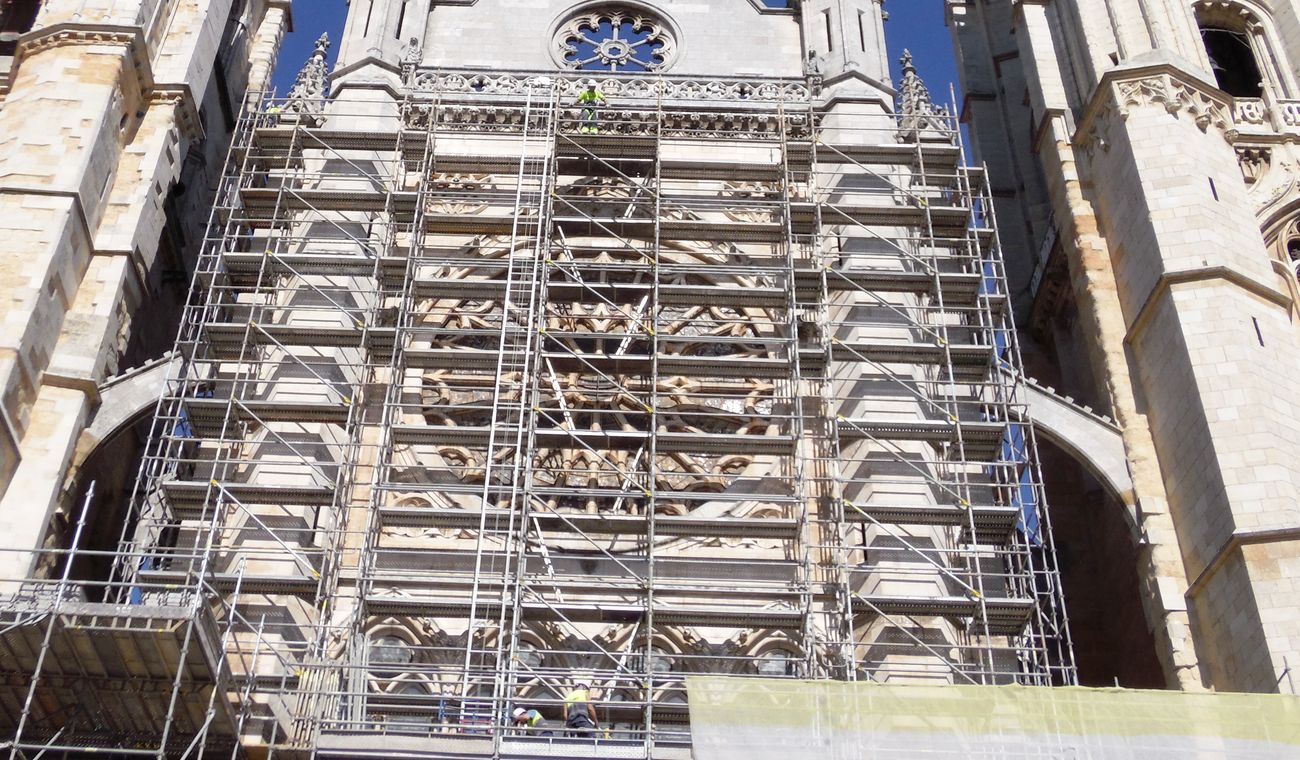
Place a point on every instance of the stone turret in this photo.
(379, 40)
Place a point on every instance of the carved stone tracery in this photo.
(615, 38)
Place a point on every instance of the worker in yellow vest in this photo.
(579, 712)
(530, 721)
(589, 100)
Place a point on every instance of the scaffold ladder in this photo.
(495, 582)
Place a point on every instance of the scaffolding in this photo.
(477, 403)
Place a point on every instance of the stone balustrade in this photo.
(1266, 115)
(623, 86)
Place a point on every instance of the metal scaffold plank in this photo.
(207, 415)
(626, 364)
(192, 495)
(944, 221)
(249, 582)
(957, 288)
(984, 516)
(594, 524)
(982, 440)
(773, 492)
(244, 268)
(612, 292)
(781, 619)
(1004, 616)
(939, 158)
(229, 340)
(282, 136)
(968, 362)
(260, 202)
(720, 230)
(612, 440)
(613, 145)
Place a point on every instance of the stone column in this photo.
(266, 45)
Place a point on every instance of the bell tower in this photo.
(1144, 210)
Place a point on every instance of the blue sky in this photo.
(914, 24)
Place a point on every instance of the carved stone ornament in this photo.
(1163, 89)
(1254, 163)
(1177, 97)
(617, 87)
(762, 196)
(456, 193)
(308, 93)
(916, 111)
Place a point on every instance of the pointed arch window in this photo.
(1240, 49)
(777, 663)
(1232, 61)
(390, 656)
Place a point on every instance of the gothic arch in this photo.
(766, 647)
(1281, 230)
(1244, 17)
(1283, 239)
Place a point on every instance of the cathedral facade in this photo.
(538, 357)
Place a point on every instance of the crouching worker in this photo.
(530, 721)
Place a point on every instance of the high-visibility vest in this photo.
(577, 701)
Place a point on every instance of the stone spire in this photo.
(308, 93)
(916, 111)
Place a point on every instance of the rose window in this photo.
(570, 475)
(615, 39)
